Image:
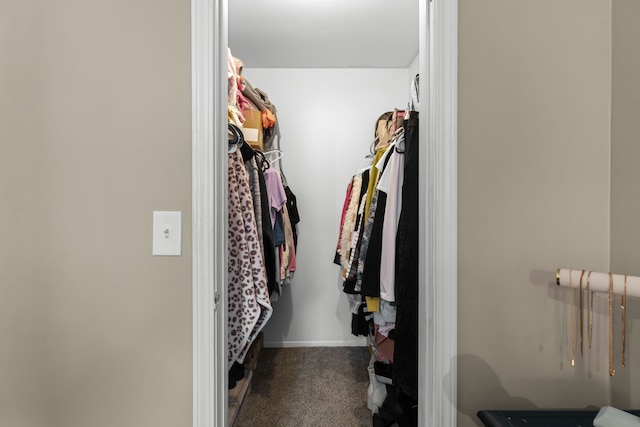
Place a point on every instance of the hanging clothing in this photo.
(350, 262)
(254, 187)
(282, 227)
(371, 205)
(390, 183)
(370, 276)
(289, 242)
(275, 190)
(286, 250)
(257, 264)
(294, 215)
(269, 252)
(373, 180)
(337, 259)
(249, 306)
(378, 246)
(350, 217)
(405, 372)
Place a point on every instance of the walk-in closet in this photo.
(320, 93)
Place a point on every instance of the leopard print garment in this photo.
(249, 305)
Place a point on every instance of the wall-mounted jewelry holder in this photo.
(599, 282)
(590, 281)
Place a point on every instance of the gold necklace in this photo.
(573, 320)
(612, 370)
(623, 308)
(589, 309)
(581, 321)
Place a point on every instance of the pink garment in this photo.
(249, 305)
(243, 103)
(283, 256)
(344, 212)
(350, 221)
(288, 255)
(275, 191)
(292, 262)
(383, 347)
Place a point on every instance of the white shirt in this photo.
(391, 183)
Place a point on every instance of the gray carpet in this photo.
(311, 386)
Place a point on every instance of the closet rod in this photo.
(598, 282)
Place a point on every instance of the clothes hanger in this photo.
(278, 154)
(262, 161)
(234, 137)
(398, 137)
(277, 162)
(372, 148)
(247, 151)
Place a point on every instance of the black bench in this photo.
(541, 418)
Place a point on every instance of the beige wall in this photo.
(94, 136)
(534, 131)
(625, 176)
(22, 299)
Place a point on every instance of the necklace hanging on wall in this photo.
(612, 370)
(581, 321)
(623, 308)
(573, 320)
(589, 310)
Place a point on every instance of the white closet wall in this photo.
(327, 119)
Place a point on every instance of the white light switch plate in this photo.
(167, 233)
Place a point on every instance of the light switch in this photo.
(167, 233)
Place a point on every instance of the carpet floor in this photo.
(308, 387)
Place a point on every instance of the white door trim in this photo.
(209, 210)
(438, 212)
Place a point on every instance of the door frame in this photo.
(438, 215)
(209, 211)
(437, 219)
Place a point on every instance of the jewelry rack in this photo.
(613, 284)
(599, 282)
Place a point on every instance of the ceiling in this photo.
(324, 33)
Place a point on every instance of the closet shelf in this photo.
(598, 282)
